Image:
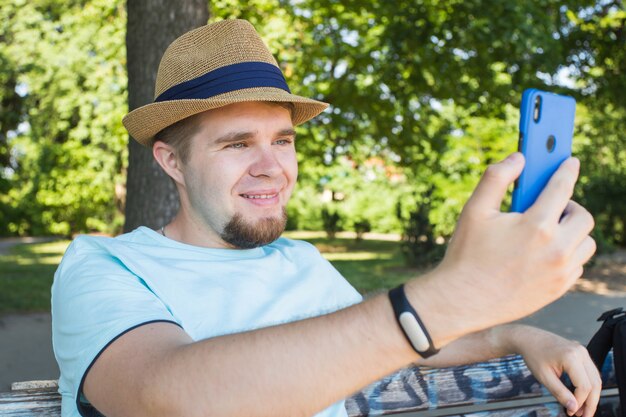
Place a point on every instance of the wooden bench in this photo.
(501, 387)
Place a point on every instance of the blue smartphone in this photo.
(546, 128)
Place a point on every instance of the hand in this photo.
(548, 356)
(500, 267)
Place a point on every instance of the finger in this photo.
(554, 198)
(563, 395)
(574, 275)
(594, 397)
(494, 183)
(580, 379)
(581, 394)
(575, 262)
(575, 226)
(583, 252)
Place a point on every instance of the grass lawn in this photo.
(26, 276)
(369, 265)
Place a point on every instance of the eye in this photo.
(285, 141)
(238, 145)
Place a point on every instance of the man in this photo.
(214, 314)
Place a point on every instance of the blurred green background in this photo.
(424, 95)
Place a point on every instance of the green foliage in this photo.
(423, 95)
(597, 52)
(360, 194)
(366, 191)
(598, 62)
(66, 84)
(601, 148)
(305, 208)
(420, 244)
(482, 141)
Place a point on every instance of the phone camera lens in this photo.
(537, 109)
(551, 143)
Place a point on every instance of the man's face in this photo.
(241, 173)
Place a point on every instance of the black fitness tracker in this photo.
(410, 323)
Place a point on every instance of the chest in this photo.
(211, 299)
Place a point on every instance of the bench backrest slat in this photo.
(30, 402)
(419, 389)
(501, 387)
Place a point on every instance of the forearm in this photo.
(310, 364)
(480, 346)
(305, 366)
(293, 369)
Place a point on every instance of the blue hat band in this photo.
(226, 79)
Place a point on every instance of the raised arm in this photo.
(499, 267)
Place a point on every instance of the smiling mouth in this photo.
(259, 196)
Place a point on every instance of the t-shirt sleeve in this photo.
(95, 299)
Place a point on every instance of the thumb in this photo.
(492, 187)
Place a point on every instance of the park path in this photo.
(7, 243)
(25, 339)
(26, 349)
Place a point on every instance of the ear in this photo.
(166, 157)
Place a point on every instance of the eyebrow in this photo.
(232, 137)
(287, 132)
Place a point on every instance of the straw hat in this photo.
(210, 67)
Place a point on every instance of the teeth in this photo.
(262, 196)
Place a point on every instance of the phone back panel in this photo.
(556, 118)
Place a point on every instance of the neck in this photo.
(185, 229)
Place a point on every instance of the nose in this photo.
(266, 163)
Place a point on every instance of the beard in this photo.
(244, 235)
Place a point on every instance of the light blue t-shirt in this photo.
(107, 286)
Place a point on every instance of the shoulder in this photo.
(84, 245)
(93, 254)
(292, 243)
(84, 257)
(320, 274)
(285, 244)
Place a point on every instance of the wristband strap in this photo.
(410, 323)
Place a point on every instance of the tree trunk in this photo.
(152, 199)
